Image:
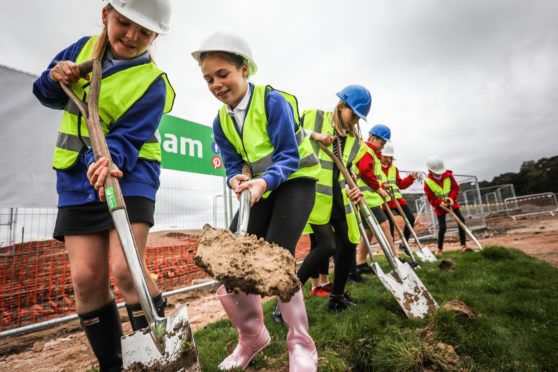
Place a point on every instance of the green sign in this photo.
(190, 147)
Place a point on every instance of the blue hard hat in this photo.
(381, 130)
(358, 98)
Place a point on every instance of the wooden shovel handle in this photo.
(459, 222)
(113, 193)
(340, 165)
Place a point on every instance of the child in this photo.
(441, 190)
(371, 179)
(396, 183)
(258, 125)
(134, 96)
(334, 225)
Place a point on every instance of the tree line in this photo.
(533, 177)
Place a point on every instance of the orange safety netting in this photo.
(37, 284)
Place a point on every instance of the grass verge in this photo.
(514, 295)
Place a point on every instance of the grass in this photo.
(515, 295)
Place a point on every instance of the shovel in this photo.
(402, 281)
(163, 341)
(394, 221)
(463, 226)
(423, 253)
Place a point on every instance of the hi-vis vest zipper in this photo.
(373, 199)
(392, 181)
(119, 92)
(320, 122)
(439, 192)
(256, 148)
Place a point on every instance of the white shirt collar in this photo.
(239, 112)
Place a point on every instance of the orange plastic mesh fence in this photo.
(37, 284)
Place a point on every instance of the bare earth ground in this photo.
(65, 348)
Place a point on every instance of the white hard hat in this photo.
(151, 14)
(435, 164)
(388, 150)
(230, 43)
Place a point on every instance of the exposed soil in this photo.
(65, 348)
(247, 264)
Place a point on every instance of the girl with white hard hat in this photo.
(442, 190)
(134, 96)
(259, 126)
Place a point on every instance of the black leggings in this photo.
(322, 268)
(330, 242)
(410, 217)
(442, 228)
(281, 217)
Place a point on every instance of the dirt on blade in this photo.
(247, 264)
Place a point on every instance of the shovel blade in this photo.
(138, 348)
(425, 255)
(409, 292)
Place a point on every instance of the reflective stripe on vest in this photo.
(392, 181)
(115, 98)
(373, 199)
(439, 192)
(320, 122)
(256, 148)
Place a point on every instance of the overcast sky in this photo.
(472, 81)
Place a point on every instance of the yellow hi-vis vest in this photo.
(373, 199)
(392, 181)
(119, 92)
(440, 192)
(255, 146)
(321, 122)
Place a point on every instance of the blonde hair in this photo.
(102, 41)
(337, 122)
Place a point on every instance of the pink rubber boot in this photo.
(246, 314)
(303, 356)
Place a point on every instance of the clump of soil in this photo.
(441, 353)
(461, 309)
(446, 264)
(247, 264)
(185, 360)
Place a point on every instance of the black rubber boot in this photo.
(339, 302)
(276, 314)
(356, 277)
(364, 268)
(136, 315)
(103, 330)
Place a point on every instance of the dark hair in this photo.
(235, 59)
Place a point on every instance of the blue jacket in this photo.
(125, 138)
(285, 157)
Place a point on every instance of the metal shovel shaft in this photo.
(407, 223)
(244, 207)
(157, 324)
(401, 235)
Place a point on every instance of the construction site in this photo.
(353, 206)
(39, 326)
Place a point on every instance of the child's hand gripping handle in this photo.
(113, 194)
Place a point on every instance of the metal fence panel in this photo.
(528, 205)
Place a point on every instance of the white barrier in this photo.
(528, 205)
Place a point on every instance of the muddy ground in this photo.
(65, 348)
